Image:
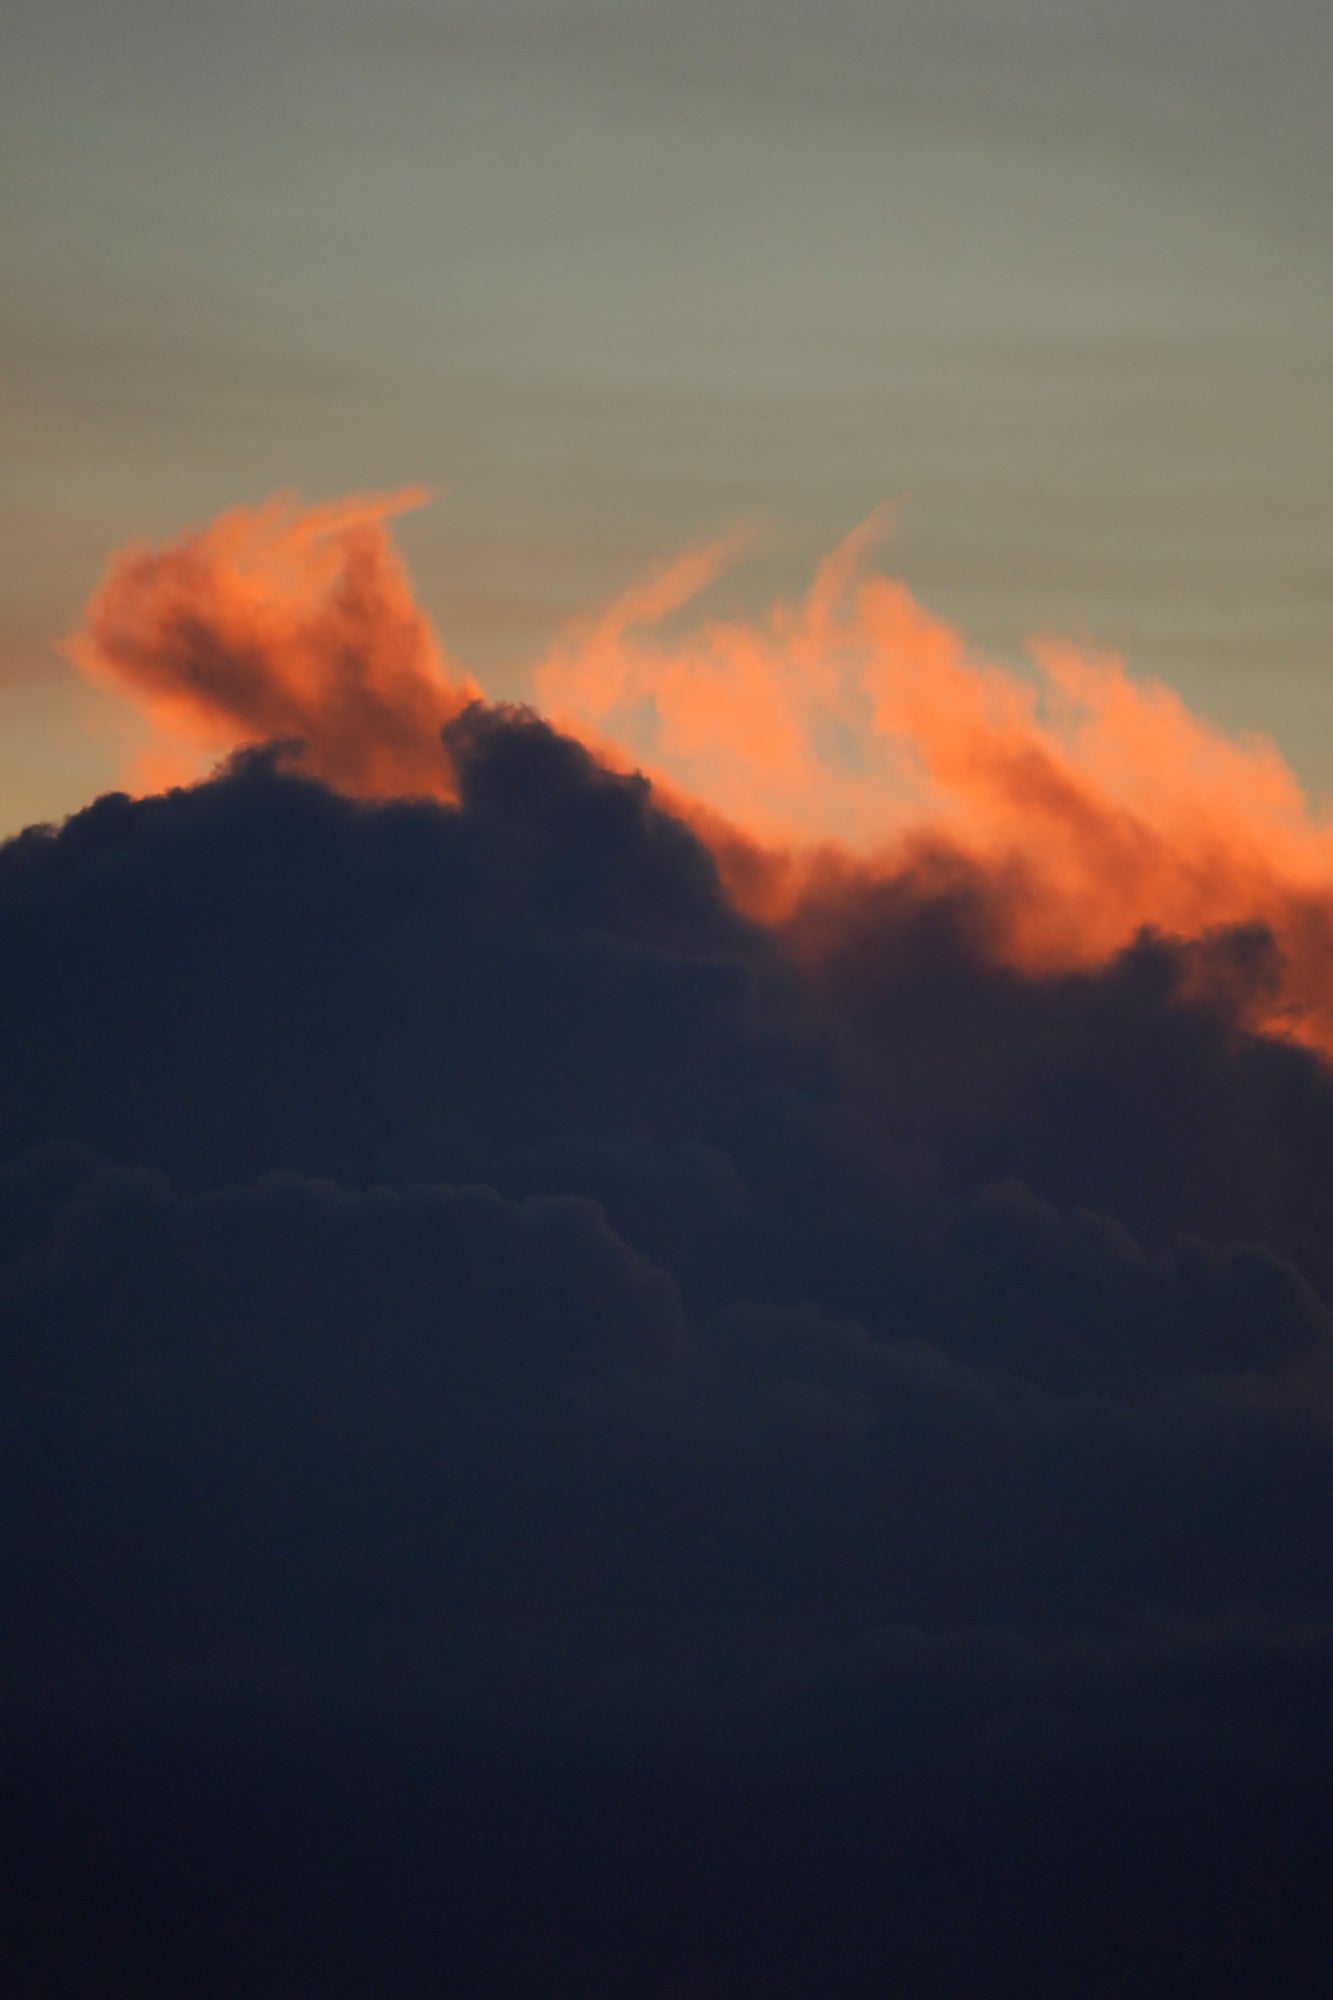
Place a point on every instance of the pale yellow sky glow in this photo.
(612, 279)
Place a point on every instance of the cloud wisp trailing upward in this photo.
(277, 623)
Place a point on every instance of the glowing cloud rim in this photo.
(848, 735)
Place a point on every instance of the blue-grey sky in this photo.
(1059, 275)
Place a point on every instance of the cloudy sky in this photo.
(1055, 276)
(666, 1128)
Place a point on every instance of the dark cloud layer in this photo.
(555, 1441)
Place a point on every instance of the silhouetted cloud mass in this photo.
(560, 1439)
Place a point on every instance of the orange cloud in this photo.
(761, 721)
(276, 623)
(842, 735)
(847, 735)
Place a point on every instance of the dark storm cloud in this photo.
(556, 1441)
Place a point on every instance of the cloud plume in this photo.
(849, 736)
(617, 1386)
(276, 623)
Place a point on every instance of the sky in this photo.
(666, 1002)
(1053, 278)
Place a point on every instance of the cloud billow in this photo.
(559, 1438)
